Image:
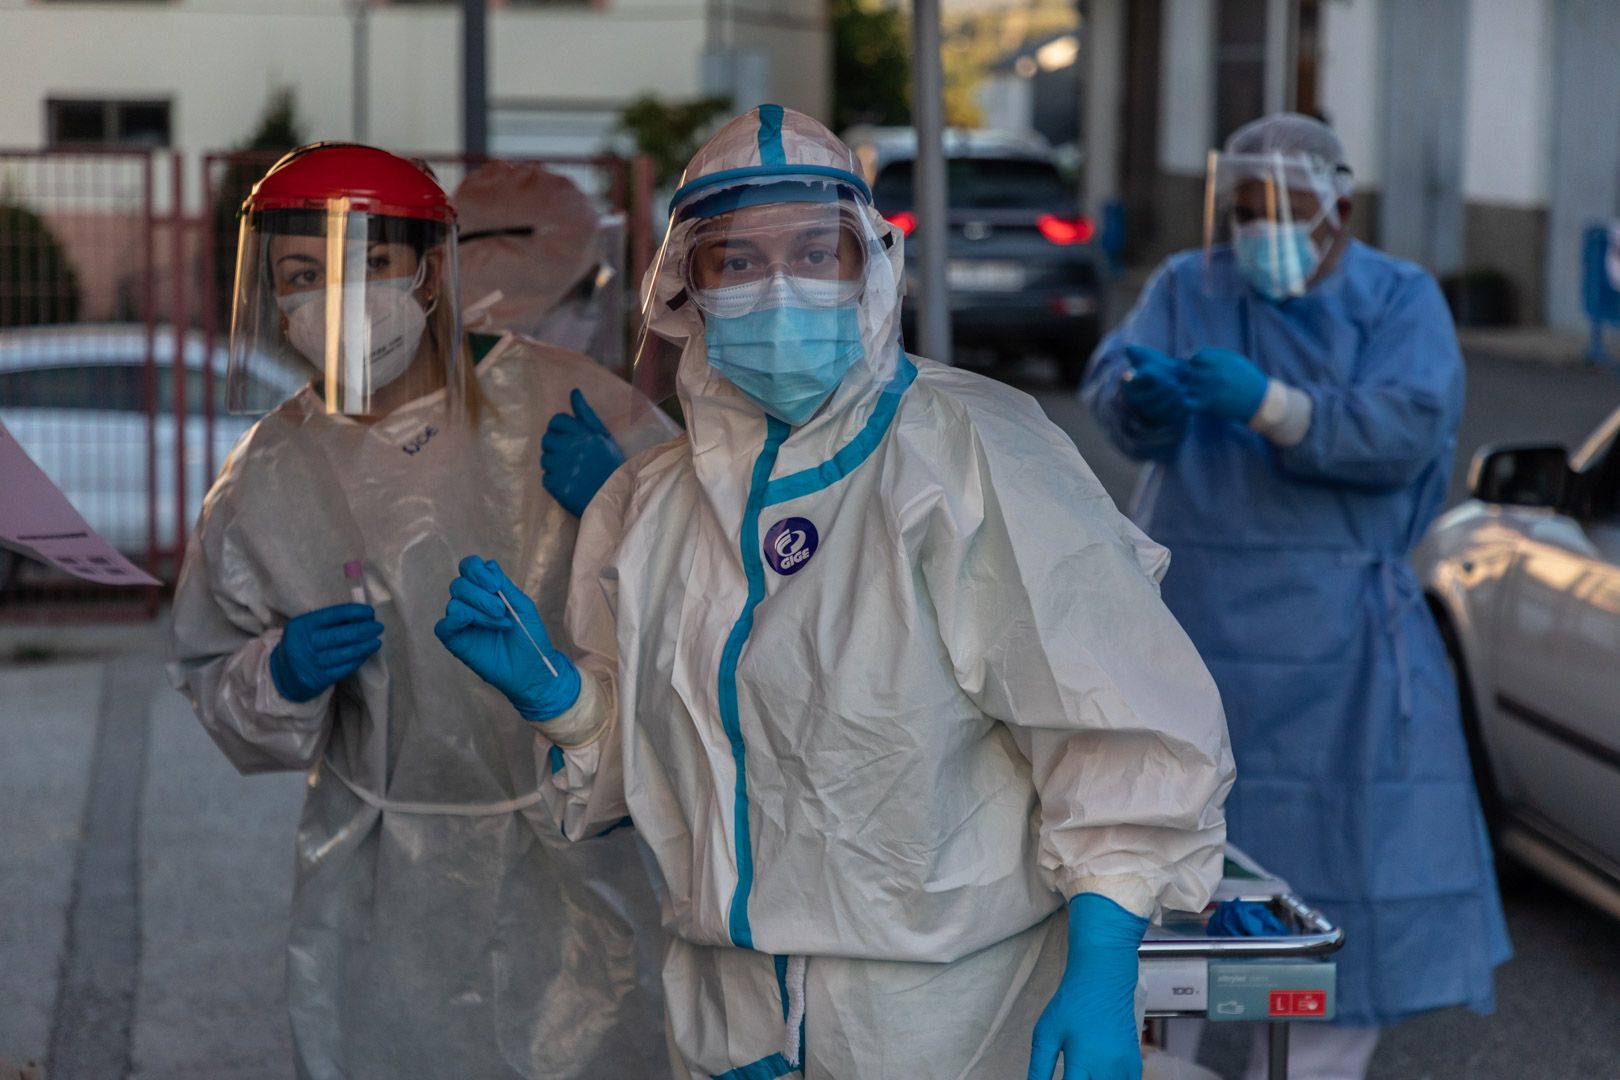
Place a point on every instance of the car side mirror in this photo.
(1520, 475)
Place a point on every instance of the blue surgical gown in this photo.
(1290, 571)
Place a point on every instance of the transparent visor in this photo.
(1268, 221)
(765, 243)
(361, 306)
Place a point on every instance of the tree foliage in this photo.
(37, 281)
(669, 133)
(279, 131)
(871, 64)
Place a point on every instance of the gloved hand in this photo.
(322, 646)
(577, 456)
(1091, 1019)
(1152, 390)
(478, 631)
(1244, 918)
(1225, 384)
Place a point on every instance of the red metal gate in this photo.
(81, 356)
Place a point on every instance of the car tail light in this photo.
(905, 221)
(1065, 230)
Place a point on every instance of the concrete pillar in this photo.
(1103, 99)
(1421, 212)
(1585, 171)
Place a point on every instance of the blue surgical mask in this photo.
(1277, 260)
(788, 359)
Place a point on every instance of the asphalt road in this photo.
(146, 883)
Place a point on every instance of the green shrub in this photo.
(37, 280)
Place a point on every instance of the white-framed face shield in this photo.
(1270, 221)
(366, 304)
(761, 243)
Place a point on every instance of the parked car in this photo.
(1524, 579)
(1022, 262)
(74, 397)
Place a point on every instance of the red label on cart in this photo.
(1301, 1004)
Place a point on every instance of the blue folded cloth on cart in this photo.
(1245, 918)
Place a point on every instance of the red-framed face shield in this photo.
(346, 267)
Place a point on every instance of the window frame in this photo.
(112, 122)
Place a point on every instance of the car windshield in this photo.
(980, 184)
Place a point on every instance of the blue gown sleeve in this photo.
(1152, 323)
(1400, 410)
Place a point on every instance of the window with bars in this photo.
(107, 122)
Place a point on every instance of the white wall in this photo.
(1351, 88)
(219, 60)
(1187, 86)
(1507, 149)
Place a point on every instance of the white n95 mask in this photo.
(395, 321)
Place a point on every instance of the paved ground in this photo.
(146, 883)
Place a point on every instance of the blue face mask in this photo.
(1277, 261)
(788, 359)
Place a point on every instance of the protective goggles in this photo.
(804, 254)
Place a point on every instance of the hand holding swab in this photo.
(510, 610)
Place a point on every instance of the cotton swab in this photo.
(543, 657)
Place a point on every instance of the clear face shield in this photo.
(1270, 220)
(362, 305)
(784, 284)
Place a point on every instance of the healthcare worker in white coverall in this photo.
(441, 927)
(873, 663)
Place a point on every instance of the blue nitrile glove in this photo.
(1091, 1020)
(577, 456)
(1152, 388)
(322, 646)
(478, 631)
(1225, 384)
(1244, 918)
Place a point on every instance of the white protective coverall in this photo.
(871, 782)
(441, 927)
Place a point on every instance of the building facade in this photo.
(195, 75)
(1485, 134)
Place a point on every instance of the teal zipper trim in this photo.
(776, 432)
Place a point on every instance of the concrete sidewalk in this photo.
(147, 883)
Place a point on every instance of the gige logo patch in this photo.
(789, 544)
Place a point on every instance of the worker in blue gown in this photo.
(1295, 394)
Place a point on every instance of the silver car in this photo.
(1524, 579)
(74, 397)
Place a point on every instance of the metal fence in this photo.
(79, 355)
(114, 321)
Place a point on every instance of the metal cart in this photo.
(1274, 980)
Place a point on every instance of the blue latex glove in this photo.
(478, 631)
(1244, 918)
(577, 456)
(1152, 390)
(1225, 384)
(1091, 1020)
(322, 646)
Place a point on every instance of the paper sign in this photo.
(37, 520)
